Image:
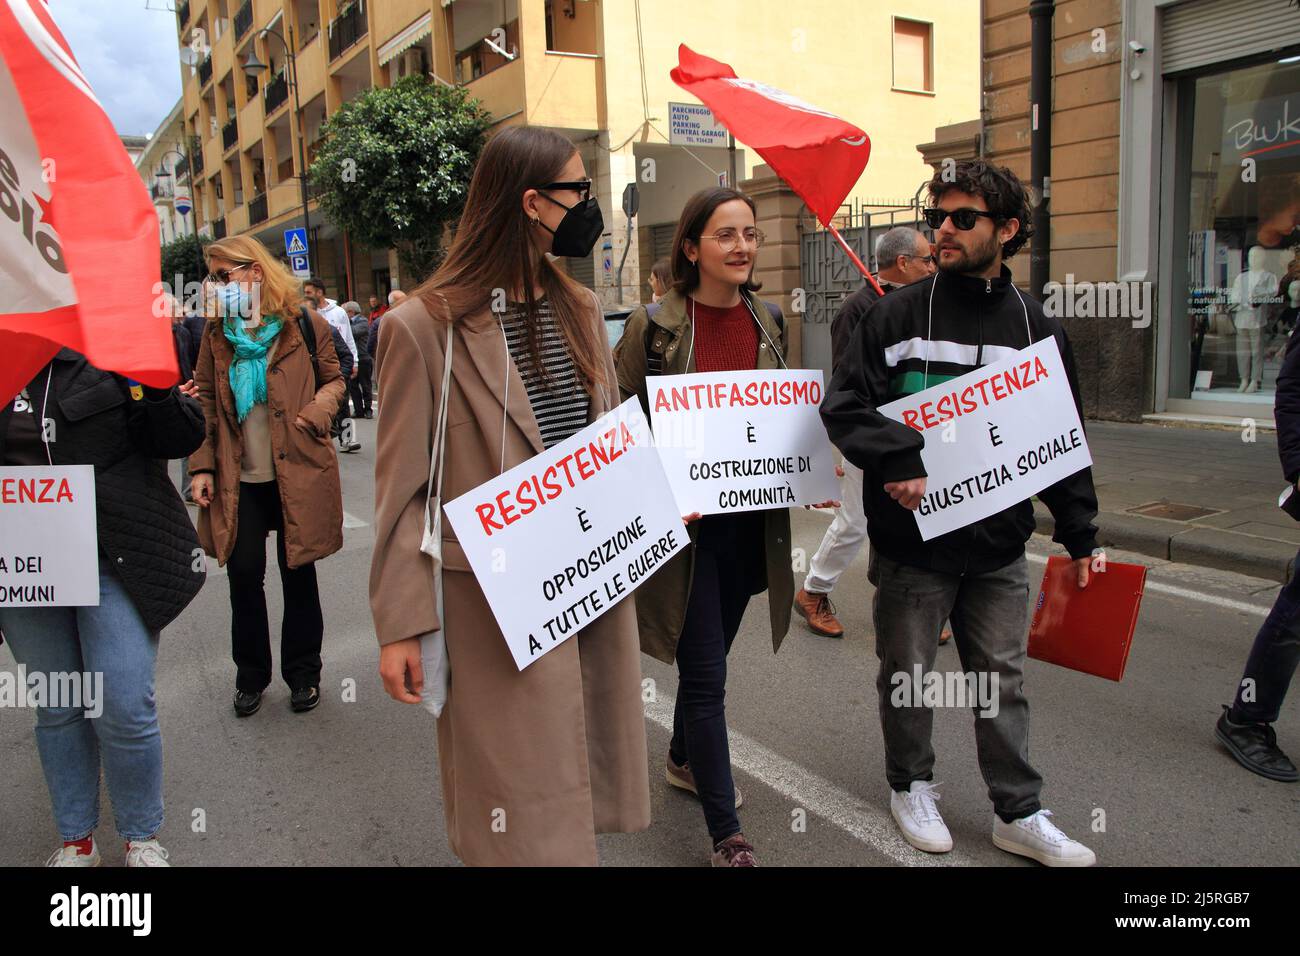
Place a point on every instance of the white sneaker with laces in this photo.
(68, 856)
(1038, 838)
(918, 817)
(146, 853)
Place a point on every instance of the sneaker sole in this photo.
(929, 846)
(1238, 756)
(681, 785)
(813, 627)
(1036, 855)
(303, 708)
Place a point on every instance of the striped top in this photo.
(560, 403)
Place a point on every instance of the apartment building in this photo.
(594, 70)
(164, 167)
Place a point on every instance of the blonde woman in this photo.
(267, 463)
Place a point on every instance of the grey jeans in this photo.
(989, 617)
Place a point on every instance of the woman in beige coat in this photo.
(267, 462)
(536, 762)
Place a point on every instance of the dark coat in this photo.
(1286, 411)
(142, 524)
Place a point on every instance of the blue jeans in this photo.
(1272, 661)
(111, 640)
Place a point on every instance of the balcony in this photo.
(257, 209)
(219, 227)
(205, 71)
(230, 134)
(243, 20)
(196, 153)
(347, 28)
(276, 92)
(183, 12)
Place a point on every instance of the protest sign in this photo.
(994, 437)
(49, 546)
(743, 441)
(557, 541)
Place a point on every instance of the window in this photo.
(485, 34)
(913, 56)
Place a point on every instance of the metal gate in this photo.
(828, 277)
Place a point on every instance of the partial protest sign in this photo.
(49, 546)
(557, 541)
(994, 437)
(743, 441)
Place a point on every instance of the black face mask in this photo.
(579, 229)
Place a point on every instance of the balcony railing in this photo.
(243, 19)
(183, 12)
(347, 28)
(277, 91)
(257, 209)
(205, 71)
(230, 134)
(219, 227)
(196, 153)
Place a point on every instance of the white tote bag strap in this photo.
(432, 543)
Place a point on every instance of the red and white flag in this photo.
(79, 257)
(820, 155)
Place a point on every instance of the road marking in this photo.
(1174, 591)
(351, 521)
(818, 795)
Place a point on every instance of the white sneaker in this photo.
(1038, 838)
(146, 853)
(918, 817)
(68, 856)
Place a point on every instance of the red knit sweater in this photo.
(726, 340)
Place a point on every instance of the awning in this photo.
(408, 38)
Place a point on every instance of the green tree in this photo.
(183, 257)
(394, 166)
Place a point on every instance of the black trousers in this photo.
(729, 568)
(1272, 661)
(359, 389)
(303, 626)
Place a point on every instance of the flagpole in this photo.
(856, 261)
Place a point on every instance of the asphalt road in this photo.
(355, 782)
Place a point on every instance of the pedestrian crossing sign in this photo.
(295, 242)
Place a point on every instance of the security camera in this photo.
(1136, 47)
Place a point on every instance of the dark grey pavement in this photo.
(356, 782)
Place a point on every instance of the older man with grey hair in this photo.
(903, 257)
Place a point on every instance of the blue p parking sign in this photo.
(295, 247)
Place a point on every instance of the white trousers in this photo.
(843, 538)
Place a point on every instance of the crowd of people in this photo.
(274, 373)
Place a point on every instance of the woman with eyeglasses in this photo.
(690, 611)
(267, 463)
(534, 763)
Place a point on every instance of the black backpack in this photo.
(309, 337)
(656, 337)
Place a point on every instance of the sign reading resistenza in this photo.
(994, 437)
(743, 441)
(49, 549)
(557, 541)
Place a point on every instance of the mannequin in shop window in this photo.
(1250, 301)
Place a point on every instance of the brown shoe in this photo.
(817, 610)
(682, 778)
(734, 851)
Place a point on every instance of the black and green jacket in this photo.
(976, 322)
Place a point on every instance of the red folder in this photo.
(1089, 629)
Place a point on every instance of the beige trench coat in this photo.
(556, 753)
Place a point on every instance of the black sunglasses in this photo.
(582, 186)
(963, 218)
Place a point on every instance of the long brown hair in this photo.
(492, 250)
(690, 225)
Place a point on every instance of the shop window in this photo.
(1236, 202)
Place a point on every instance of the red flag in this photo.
(79, 255)
(820, 155)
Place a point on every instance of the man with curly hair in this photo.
(965, 316)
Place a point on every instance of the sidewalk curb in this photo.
(1187, 543)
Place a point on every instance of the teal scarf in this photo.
(248, 370)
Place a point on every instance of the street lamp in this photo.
(164, 173)
(253, 66)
